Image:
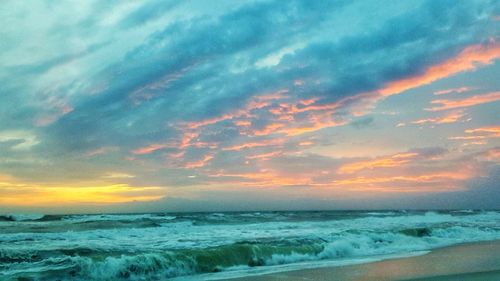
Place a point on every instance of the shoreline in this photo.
(467, 261)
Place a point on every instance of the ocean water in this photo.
(209, 246)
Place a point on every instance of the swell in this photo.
(56, 223)
(204, 218)
(55, 226)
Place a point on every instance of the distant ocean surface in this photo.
(207, 246)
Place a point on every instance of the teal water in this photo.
(211, 245)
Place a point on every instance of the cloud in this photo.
(20, 140)
(150, 148)
(115, 175)
(100, 151)
(492, 131)
(392, 161)
(443, 104)
(467, 60)
(453, 91)
(450, 117)
(478, 136)
(271, 142)
(362, 122)
(200, 163)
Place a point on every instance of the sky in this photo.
(125, 106)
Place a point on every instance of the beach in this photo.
(471, 261)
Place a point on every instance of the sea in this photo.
(214, 246)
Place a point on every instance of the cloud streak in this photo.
(445, 104)
(468, 59)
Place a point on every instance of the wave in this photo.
(21, 217)
(82, 263)
(159, 246)
(201, 218)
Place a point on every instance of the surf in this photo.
(168, 245)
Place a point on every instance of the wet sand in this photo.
(464, 262)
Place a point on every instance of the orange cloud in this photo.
(480, 134)
(454, 90)
(451, 117)
(424, 178)
(384, 162)
(314, 121)
(303, 106)
(442, 174)
(194, 125)
(475, 143)
(177, 155)
(198, 164)
(424, 182)
(264, 156)
(265, 178)
(187, 137)
(270, 128)
(257, 102)
(466, 102)
(270, 142)
(491, 131)
(242, 123)
(442, 178)
(467, 138)
(467, 60)
(490, 155)
(295, 131)
(293, 118)
(150, 148)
